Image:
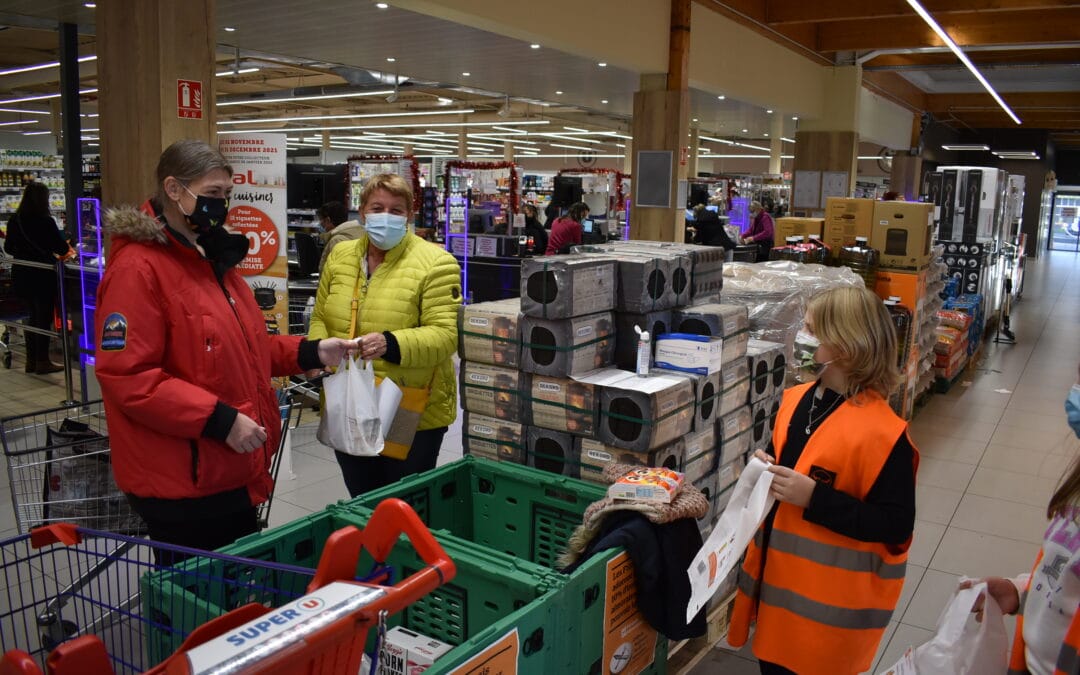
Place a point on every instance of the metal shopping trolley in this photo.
(12, 311)
(125, 622)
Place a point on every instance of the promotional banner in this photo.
(257, 211)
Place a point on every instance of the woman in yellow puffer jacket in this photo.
(408, 291)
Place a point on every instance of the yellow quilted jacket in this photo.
(414, 294)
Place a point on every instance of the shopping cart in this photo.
(122, 624)
(13, 311)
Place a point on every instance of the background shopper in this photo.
(534, 229)
(184, 359)
(567, 230)
(334, 218)
(825, 570)
(32, 235)
(407, 292)
(761, 231)
(1047, 639)
(709, 230)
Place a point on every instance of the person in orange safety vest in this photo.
(825, 570)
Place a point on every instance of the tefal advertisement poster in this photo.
(257, 211)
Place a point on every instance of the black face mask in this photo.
(209, 213)
(222, 247)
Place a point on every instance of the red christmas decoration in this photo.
(619, 176)
(486, 166)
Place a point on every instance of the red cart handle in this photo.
(391, 519)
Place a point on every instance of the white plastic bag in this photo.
(961, 646)
(350, 421)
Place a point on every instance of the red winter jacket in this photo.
(170, 348)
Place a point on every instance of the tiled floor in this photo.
(992, 450)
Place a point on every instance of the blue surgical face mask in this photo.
(385, 230)
(1072, 409)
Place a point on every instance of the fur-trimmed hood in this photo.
(138, 225)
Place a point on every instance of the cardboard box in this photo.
(562, 287)
(690, 353)
(706, 396)
(701, 454)
(845, 219)
(766, 362)
(552, 451)
(492, 438)
(407, 653)
(910, 287)
(594, 456)
(728, 475)
(561, 404)
(646, 280)
(797, 227)
(764, 413)
(903, 234)
(734, 386)
(643, 413)
(705, 263)
(714, 320)
(626, 339)
(490, 332)
(565, 347)
(733, 434)
(709, 488)
(491, 390)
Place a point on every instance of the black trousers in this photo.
(206, 532)
(768, 668)
(41, 304)
(364, 474)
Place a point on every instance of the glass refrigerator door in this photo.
(1064, 225)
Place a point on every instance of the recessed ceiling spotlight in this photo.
(230, 29)
(795, 118)
(381, 5)
(90, 5)
(466, 74)
(603, 100)
(694, 120)
(766, 135)
(602, 64)
(390, 59)
(721, 97)
(558, 92)
(534, 46)
(745, 131)
(769, 112)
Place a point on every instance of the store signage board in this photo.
(189, 99)
(487, 247)
(257, 211)
(653, 178)
(806, 192)
(833, 184)
(629, 640)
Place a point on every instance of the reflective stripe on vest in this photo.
(820, 612)
(1068, 660)
(835, 556)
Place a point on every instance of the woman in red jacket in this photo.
(184, 359)
(567, 231)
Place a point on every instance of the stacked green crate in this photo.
(491, 594)
(529, 514)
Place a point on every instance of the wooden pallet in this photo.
(685, 654)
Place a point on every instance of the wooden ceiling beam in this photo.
(979, 58)
(896, 88)
(778, 12)
(1020, 101)
(751, 14)
(990, 28)
(990, 120)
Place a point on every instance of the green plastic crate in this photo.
(523, 512)
(491, 593)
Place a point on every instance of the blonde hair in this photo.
(855, 323)
(392, 183)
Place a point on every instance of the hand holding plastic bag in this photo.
(961, 645)
(350, 421)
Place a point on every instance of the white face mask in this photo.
(385, 230)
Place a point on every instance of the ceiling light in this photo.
(42, 66)
(384, 126)
(795, 118)
(290, 99)
(721, 97)
(558, 93)
(604, 101)
(390, 59)
(787, 140)
(569, 147)
(602, 64)
(25, 112)
(13, 124)
(230, 29)
(694, 120)
(584, 131)
(242, 71)
(534, 46)
(35, 133)
(43, 97)
(766, 135)
(768, 112)
(745, 131)
(90, 5)
(268, 120)
(1015, 154)
(965, 147)
(466, 74)
(962, 56)
(381, 5)
(445, 101)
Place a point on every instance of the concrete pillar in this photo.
(325, 146)
(145, 49)
(831, 142)
(776, 145)
(463, 144)
(695, 147)
(407, 149)
(508, 151)
(628, 158)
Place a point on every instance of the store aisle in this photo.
(992, 453)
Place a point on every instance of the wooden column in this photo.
(661, 123)
(906, 175)
(776, 143)
(831, 142)
(144, 49)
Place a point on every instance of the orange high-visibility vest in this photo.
(1068, 662)
(823, 600)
